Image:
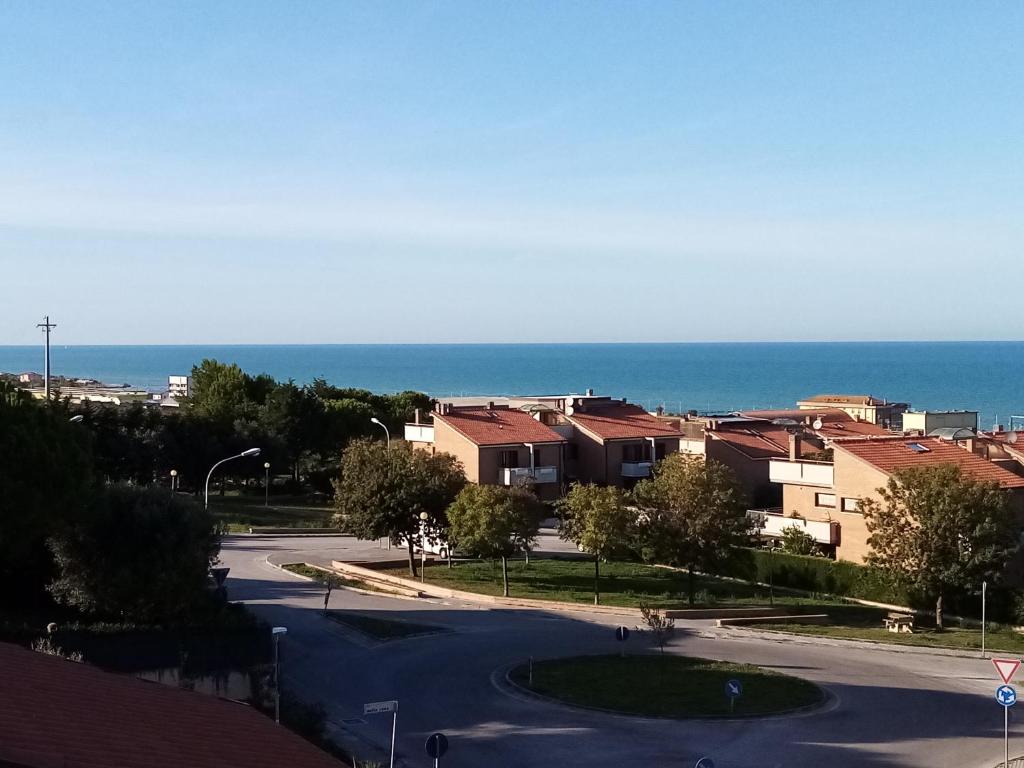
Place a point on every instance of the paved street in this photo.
(888, 708)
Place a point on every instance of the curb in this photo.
(371, 593)
(843, 642)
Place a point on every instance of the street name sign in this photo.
(380, 707)
(1006, 668)
(1006, 695)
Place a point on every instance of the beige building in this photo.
(860, 407)
(926, 422)
(824, 498)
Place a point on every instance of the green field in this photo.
(623, 584)
(383, 629)
(239, 513)
(866, 624)
(666, 686)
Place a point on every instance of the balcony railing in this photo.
(419, 433)
(517, 475)
(801, 473)
(636, 468)
(772, 525)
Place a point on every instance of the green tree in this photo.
(220, 392)
(139, 554)
(599, 520)
(292, 417)
(937, 531)
(796, 541)
(46, 483)
(381, 491)
(495, 522)
(693, 515)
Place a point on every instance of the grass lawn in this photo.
(666, 686)
(856, 623)
(624, 584)
(383, 629)
(322, 577)
(239, 513)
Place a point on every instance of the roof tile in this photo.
(498, 426)
(622, 421)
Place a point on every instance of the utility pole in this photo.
(47, 326)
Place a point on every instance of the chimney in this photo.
(490, 405)
(416, 416)
(794, 446)
(590, 393)
(997, 428)
(660, 410)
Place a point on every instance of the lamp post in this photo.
(242, 455)
(381, 424)
(277, 632)
(423, 546)
(174, 480)
(266, 484)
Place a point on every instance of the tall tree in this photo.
(694, 514)
(139, 554)
(599, 521)
(220, 392)
(382, 491)
(937, 531)
(494, 522)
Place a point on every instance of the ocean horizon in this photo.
(705, 376)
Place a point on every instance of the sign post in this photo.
(733, 689)
(1007, 696)
(437, 745)
(381, 708)
(622, 635)
(984, 586)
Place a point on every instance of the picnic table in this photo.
(899, 622)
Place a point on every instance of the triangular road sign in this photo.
(1006, 668)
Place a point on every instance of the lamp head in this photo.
(251, 452)
(374, 420)
(279, 631)
(424, 516)
(76, 419)
(266, 465)
(174, 473)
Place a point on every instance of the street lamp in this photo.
(277, 632)
(423, 546)
(381, 424)
(174, 480)
(242, 455)
(266, 484)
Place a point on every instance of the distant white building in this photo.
(179, 386)
(30, 377)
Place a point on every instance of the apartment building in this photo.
(824, 497)
(861, 407)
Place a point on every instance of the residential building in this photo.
(31, 377)
(824, 497)
(179, 386)
(861, 407)
(926, 422)
(496, 444)
(56, 712)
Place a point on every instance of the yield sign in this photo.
(1006, 668)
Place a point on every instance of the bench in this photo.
(899, 622)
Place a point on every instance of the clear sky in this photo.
(257, 172)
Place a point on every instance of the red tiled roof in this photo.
(827, 414)
(892, 454)
(762, 440)
(498, 426)
(837, 430)
(622, 421)
(59, 714)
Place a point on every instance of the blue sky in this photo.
(553, 171)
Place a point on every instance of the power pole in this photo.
(47, 326)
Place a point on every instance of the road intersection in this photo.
(886, 708)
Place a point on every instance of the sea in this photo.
(707, 377)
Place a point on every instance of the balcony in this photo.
(772, 525)
(419, 433)
(519, 475)
(636, 468)
(820, 474)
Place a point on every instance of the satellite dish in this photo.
(816, 424)
(1011, 437)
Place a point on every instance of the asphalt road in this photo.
(887, 708)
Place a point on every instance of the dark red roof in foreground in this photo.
(59, 714)
(621, 421)
(498, 426)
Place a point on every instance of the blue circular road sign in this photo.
(705, 762)
(1006, 695)
(622, 634)
(437, 745)
(733, 689)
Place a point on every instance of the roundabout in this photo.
(667, 686)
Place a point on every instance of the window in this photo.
(659, 451)
(850, 505)
(825, 500)
(633, 452)
(536, 457)
(918, 448)
(509, 459)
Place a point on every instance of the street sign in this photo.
(380, 707)
(1006, 668)
(733, 689)
(1006, 695)
(622, 634)
(437, 745)
(705, 762)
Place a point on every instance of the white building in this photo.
(179, 386)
